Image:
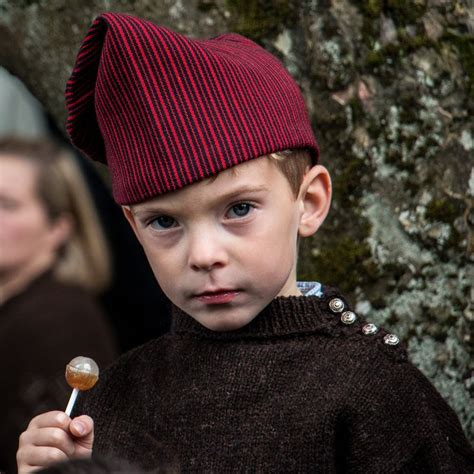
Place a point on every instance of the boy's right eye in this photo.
(162, 222)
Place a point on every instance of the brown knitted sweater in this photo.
(296, 390)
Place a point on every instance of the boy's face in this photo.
(222, 249)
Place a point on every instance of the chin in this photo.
(225, 323)
(223, 326)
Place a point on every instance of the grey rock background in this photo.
(389, 85)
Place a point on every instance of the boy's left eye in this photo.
(239, 210)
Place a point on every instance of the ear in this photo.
(127, 212)
(315, 200)
(61, 230)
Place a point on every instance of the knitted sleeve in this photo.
(399, 423)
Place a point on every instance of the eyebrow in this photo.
(238, 191)
(244, 189)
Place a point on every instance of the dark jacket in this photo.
(41, 330)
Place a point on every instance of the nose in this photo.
(206, 250)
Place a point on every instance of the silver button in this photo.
(336, 305)
(391, 339)
(369, 329)
(348, 317)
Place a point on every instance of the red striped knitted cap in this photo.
(165, 111)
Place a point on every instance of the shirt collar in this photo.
(310, 288)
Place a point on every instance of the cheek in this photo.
(279, 236)
(22, 237)
(16, 229)
(165, 267)
(273, 249)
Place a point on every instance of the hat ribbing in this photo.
(165, 111)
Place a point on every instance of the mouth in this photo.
(220, 296)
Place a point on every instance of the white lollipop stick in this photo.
(72, 400)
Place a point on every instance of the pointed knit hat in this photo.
(164, 111)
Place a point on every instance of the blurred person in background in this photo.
(133, 303)
(53, 262)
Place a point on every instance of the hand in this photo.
(52, 437)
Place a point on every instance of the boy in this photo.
(253, 376)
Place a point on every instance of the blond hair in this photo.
(293, 164)
(84, 258)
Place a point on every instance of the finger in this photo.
(41, 446)
(82, 428)
(53, 437)
(40, 456)
(57, 419)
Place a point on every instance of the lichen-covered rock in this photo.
(389, 85)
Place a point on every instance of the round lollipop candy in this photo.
(82, 373)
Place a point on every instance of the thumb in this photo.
(82, 429)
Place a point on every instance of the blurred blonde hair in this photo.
(84, 259)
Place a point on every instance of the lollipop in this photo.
(82, 373)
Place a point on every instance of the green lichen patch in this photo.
(340, 261)
(26, 3)
(347, 182)
(393, 53)
(372, 8)
(444, 210)
(464, 45)
(409, 43)
(405, 11)
(402, 11)
(205, 6)
(259, 19)
(410, 34)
